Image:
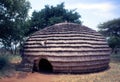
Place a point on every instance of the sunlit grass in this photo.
(15, 59)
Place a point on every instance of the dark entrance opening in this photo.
(45, 66)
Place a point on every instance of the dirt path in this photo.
(30, 77)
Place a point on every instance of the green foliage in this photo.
(51, 15)
(111, 30)
(13, 16)
(114, 42)
(4, 62)
(8, 64)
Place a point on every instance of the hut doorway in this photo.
(45, 66)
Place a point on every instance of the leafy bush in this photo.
(4, 62)
(5, 66)
(8, 64)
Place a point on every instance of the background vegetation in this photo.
(111, 30)
(13, 17)
(51, 15)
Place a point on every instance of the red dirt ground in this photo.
(28, 77)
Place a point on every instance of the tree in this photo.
(51, 15)
(13, 16)
(111, 30)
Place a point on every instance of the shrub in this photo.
(8, 64)
(4, 62)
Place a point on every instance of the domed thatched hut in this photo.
(66, 48)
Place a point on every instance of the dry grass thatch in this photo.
(69, 47)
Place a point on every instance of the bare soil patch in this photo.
(29, 77)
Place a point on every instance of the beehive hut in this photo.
(66, 48)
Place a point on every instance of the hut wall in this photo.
(69, 51)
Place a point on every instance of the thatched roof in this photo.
(65, 27)
(69, 45)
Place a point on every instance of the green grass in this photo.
(15, 59)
